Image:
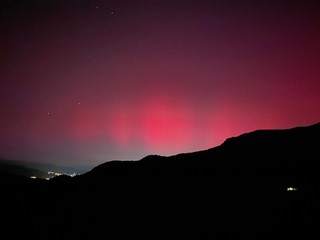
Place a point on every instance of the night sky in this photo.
(85, 82)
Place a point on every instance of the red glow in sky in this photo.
(165, 124)
(84, 82)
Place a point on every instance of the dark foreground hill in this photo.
(260, 185)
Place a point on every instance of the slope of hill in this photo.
(14, 169)
(259, 185)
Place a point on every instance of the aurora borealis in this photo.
(84, 82)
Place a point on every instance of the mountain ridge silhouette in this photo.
(261, 184)
(269, 141)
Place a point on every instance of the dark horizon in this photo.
(82, 169)
(259, 185)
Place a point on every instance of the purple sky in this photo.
(84, 82)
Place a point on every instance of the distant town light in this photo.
(33, 177)
(59, 174)
(291, 189)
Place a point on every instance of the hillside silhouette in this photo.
(259, 185)
(14, 169)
